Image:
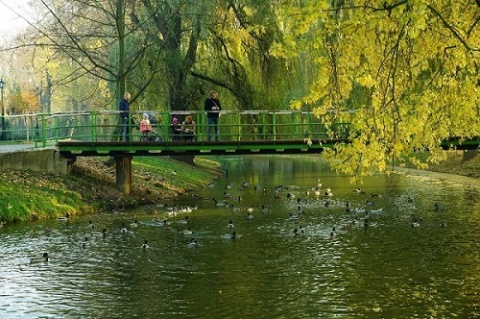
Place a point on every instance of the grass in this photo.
(27, 195)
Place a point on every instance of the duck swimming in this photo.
(193, 242)
(43, 259)
(63, 218)
(230, 236)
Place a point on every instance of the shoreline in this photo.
(90, 187)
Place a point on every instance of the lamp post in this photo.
(2, 136)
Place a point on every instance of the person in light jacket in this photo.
(188, 128)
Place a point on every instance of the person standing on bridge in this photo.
(213, 108)
(124, 108)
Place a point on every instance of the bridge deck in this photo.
(80, 148)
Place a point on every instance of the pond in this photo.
(315, 246)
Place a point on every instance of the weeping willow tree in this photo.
(408, 71)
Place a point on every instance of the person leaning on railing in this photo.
(188, 128)
(175, 129)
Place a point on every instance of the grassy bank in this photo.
(91, 187)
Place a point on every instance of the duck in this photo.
(347, 207)
(43, 259)
(359, 210)
(358, 191)
(193, 242)
(187, 231)
(134, 224)
(328, 192)
(63, 218)
(265, 209)
(230, 224)
(292, 217)
(123, 229)
(145, 244)
(85, 242)
(249, 216)
(186, 209)
(91, 225)
(219, 204)
(235, 209)
(184, 221)
(233, 235)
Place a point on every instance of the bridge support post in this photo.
(123, 170)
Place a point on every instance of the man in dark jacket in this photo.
(124, 108)
(213, 108)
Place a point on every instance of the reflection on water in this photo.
(303, 256)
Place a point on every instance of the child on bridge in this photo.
(145, 125)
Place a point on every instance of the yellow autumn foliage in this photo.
(414, 66)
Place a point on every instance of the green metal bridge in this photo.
(96, 133)
(246, 132)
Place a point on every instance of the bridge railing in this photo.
(104, 126)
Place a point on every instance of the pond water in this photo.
(415, 254)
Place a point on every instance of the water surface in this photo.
(329, 263)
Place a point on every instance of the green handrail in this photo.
(102, 126)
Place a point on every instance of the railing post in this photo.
(44, 131)
(309, 124)
(56, 124)
(274, 128)
(167, 121)
(264, 127)
(93, 126)
(297, 124)
(239, 124)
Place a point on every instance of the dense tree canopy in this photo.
(404, 73)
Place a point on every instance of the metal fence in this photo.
(104, 126)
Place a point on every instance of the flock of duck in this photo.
(292, 197)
